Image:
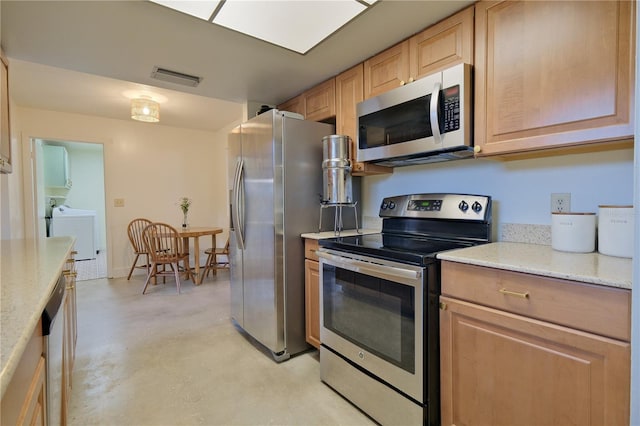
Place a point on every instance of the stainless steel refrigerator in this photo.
(276, 161)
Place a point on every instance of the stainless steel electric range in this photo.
(379, 304)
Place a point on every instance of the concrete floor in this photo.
(168, 359)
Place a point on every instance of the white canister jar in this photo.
(615, 230)
(573, 232)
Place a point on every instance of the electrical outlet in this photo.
(560, 203)
(118, 202)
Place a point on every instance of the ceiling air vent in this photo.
(175, 77)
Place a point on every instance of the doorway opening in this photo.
(70, 199)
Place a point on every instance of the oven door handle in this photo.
(391, 273)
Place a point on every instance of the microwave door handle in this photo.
(434, 113)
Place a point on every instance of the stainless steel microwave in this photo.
(425, 121)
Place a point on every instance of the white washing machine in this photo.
(78, 223)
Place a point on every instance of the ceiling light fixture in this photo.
(145, 109)
(297, 25)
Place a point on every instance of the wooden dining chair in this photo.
(213, 262)
(134, 230)
(165, 248)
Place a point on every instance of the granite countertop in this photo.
(537, 259)
(331, 234)
(29, 271)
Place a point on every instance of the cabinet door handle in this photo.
(506, 292)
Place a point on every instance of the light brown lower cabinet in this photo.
(24, 401)
(70, 332)
(312, 302)
(312, 293)
(503, 367)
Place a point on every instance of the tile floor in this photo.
(167, 359)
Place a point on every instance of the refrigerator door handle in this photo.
(238, 203)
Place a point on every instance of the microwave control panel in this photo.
(451, 109)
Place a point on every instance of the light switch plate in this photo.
(118, 202)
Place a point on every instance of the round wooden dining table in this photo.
(196, 232)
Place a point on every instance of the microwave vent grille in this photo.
(428, 158)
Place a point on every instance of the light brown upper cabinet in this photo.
(316, 104)
(320, 101)
(447, 43)
(552, 74)
(386, 70)
(349, 91)
(293, 105)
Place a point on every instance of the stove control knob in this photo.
(476, 207)
(384, 205)
(392, 205)
(463, 206)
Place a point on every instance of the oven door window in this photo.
(375, 314)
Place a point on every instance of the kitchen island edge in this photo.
(30, 270)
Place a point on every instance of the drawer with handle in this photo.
(310, 247)
(602, 310)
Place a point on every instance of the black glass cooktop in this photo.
(395, 247)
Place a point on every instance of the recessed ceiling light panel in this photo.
(200, 9)
(297, 25)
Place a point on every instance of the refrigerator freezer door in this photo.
(263, 312)
(235, 250)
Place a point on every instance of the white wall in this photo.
(148, 165)
(520, 189)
